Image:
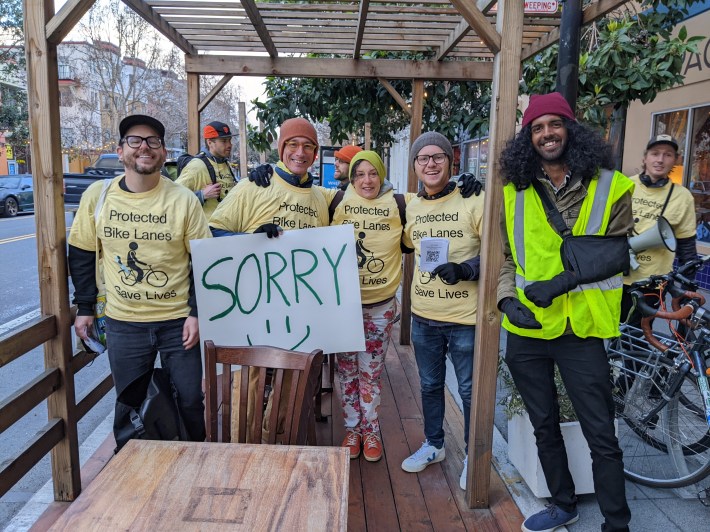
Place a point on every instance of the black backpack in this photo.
(185, 158)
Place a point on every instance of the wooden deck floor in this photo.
(383, 497)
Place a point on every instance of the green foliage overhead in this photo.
(12, 57)
(625, 57)
(451, 108)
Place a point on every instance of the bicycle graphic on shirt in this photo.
(373, 264)
(132, 273)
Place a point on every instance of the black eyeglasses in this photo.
(135, 141)
(423, 160)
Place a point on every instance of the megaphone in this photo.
(661, 234)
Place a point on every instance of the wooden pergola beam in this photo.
(288, 67)
(478, 21)
(214, 92)
(193, 114)
(155, 20)
(397, 97)
(64, 21)
(504, 104)
(45, 145)
(590, 14)
(259, 26)
(361, 21)
(460, 31)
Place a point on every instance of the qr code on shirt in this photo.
(432, 255)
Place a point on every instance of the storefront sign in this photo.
(536, 7)
(8, 152)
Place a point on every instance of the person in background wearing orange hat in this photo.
(197, 176)
(343, 156)
(557, 169)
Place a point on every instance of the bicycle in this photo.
(155, 278)
(660, 384)
(373, 264)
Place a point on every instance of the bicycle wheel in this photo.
(672, 449)
(157, 278)
(375, 265)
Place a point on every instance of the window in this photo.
(674, 124)
(66, 98)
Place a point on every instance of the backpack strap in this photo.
(668, 198)
(402, 206)
(334, 204)
(210, 169)
(97, 214)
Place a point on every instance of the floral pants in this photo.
(359, 372)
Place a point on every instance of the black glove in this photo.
(518, 314)
(469, 185)
(271, 230)
(261, 175)
(452, 273)
(543, 292)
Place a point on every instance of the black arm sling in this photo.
(591, 258)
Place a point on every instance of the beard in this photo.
(141, 167)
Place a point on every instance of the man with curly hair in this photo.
(554, 316)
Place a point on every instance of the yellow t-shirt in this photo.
(145, 241)
(647, 203)
(378, 233)
(196, 177)
(249, 206)
(458, 219)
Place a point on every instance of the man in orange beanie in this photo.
(343, 156)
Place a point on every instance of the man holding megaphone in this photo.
(664, 220)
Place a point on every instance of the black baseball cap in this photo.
(216, 129)
(141, 120)
(662, 139)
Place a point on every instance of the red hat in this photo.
(346, 153)
(216, 129)
(296, 127)
(547, 104)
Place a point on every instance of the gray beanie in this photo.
(430, 138)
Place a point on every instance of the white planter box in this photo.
(522, 453)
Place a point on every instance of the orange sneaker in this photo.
(372, 447)
(352, 441)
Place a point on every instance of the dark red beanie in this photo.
(547, 104)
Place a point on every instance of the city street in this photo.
(18, 271)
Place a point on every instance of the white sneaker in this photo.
(464, 474)
(427, 454)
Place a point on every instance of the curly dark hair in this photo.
(585, 153)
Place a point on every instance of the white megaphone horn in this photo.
(661, 234)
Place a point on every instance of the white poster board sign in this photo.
(299, 291)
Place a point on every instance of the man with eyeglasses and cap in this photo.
(209, 174)
(343, 157)
(142, 215)
(655, 195)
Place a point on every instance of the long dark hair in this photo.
(585, 153)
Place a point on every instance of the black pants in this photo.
(585, 372)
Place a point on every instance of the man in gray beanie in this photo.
(443, 315)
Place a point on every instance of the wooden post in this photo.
(367, 135)
(568, 59)
(504, 103)
(193, 114)
(43, 99)
(262, 155)
(243, 140)
(415, 130)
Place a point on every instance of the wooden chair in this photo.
(304, 370)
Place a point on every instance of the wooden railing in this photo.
(13, 346)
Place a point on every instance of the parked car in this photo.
(107, 165)
(16, 194)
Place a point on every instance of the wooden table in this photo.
(176, 486)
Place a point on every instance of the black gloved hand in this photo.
(543, 292)
(261, 175)
(271, 230)
(469, 185)
(518, 314)
(451, 273)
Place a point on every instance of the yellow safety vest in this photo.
(592, 309)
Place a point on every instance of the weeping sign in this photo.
(299, 291)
